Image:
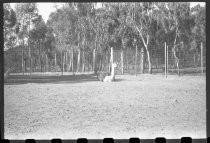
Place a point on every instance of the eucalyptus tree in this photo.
(199, 30)
(140, 16)
(25, 13)
(9, 26)
(176, 23)
(38, 35)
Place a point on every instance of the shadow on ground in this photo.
(24, 79)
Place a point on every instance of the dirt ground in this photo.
(71, 107)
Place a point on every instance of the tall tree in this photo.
(25, 13)
(10, 21)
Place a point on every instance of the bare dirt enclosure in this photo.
(71, 107)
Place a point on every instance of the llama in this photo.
(101, 76)
(112, 76)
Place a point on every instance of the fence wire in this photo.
(134, 61)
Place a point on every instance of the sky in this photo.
(46, 8)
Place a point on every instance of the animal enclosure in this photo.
(131, 61)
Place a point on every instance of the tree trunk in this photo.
(142, 60)
(78, 61)
(23, 62)
(194, 59)
(29, 56)
(83, 61)
(46, 63)
(94, 61)
(41, 60)
(62, 62)
(136, 60)
(111, 58)
(108, 61)
(64, 59)
(72, 61)
(149, 60)
(55, 62)
(201, 58)
(69, 69)
(39, 56)
(122, 61)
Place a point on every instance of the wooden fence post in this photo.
(167, 60)
(62, 62)
(142, 60)
(136, 61)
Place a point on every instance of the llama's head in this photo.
(114, 65)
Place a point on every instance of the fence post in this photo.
(201, 57)
(136, 61)
(165, 60)
(142, 60)
(62, 62)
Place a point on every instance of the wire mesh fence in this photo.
(130, 61)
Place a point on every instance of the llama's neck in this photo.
(112, 72)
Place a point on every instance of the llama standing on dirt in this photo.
(112, 76)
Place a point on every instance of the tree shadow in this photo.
(24, 79)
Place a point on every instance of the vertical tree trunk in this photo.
(24, 65)
(83, 60)
(126, 56)
(41, 57)
(108, 60)
(69, 60)
(165, 60)
(78, 62)
(39, 66)
(64, 60)
(94, 61)
(201, 58)
(72, 61)
(29, 57)
(111, 58)
(23, 69)
(136, 61)
(46, 62)
(62, 63)
(142, 60)
(149, 60)
(122, 61)
(55, 62)
(194, 59)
